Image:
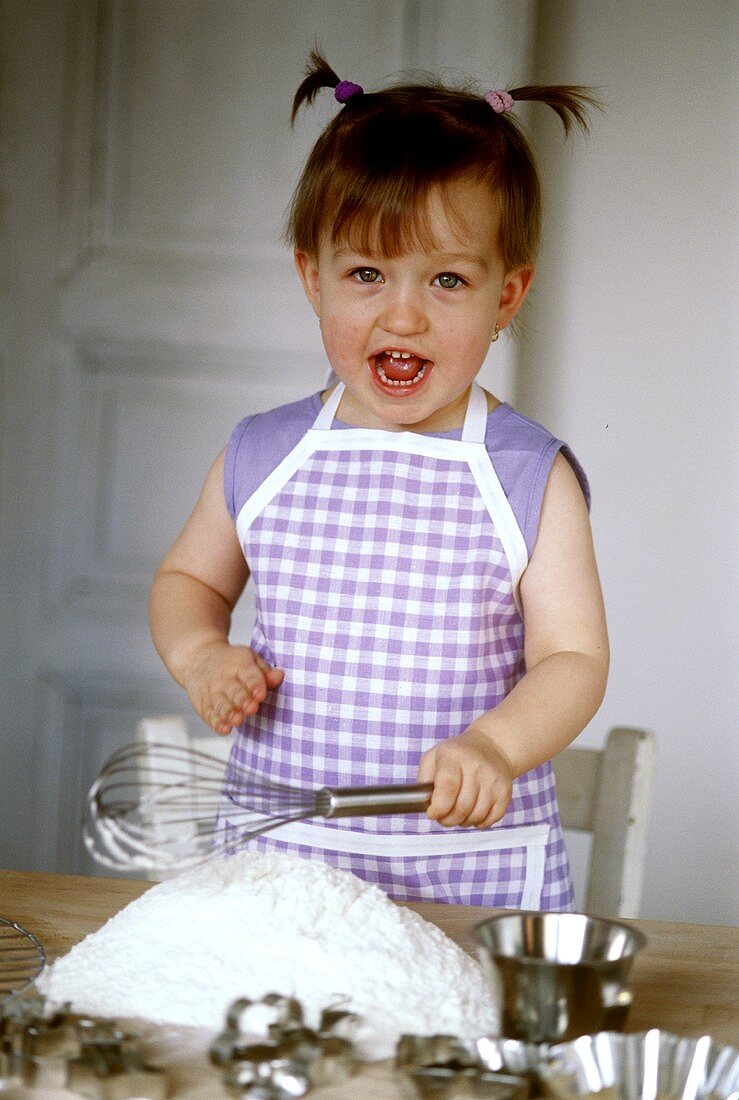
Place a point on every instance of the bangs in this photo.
(391, 217)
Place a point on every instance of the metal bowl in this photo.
(642, 1066)
(558, 975)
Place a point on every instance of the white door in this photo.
(148, 304)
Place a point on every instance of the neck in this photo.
(450, 418)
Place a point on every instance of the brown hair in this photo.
(368, 175)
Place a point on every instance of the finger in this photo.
(497, 811)
(485, 806)
(252, 678)
(444, 796)
(233, 702)
(247, 699)
(219, 712)
(464, 805)
(219, 725)
(273, 676)
(239, 696)
(426, 768)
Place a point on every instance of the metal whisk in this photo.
(164, 807)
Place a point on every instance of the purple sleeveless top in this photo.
(521, 450)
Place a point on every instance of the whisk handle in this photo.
(361, 801)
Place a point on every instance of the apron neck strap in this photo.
(328, 411)
(475, 421)
(476, 417)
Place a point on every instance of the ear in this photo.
(308, 271)
(516, 286)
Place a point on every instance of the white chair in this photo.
(170, 729)
(173, 730)
(605, 792)
(608, 792)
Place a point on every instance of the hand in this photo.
(227, 683)
(473, 780)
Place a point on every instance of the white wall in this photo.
(627, 352)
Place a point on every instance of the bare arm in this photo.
(566, 652)
(192, 597)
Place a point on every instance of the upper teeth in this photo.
(398, 354)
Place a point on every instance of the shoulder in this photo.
(523, 452)
(259, 443)
(509, 432)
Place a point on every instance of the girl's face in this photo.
(408, 334)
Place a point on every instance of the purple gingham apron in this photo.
(386, 569)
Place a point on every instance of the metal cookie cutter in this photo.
(34, 1047)
(92, 1058)
(515, 1056)
(443, 1067)
(287, 1058)
(110, 1065)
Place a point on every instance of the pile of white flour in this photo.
(255, 924)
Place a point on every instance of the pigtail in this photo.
(318, 74)
(570, 102)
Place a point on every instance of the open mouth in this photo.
(400, 370)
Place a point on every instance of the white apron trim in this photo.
(470, 449)
(502, 515)
(476, 418)
(330, 407)
(533, 838)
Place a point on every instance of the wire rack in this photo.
(22, 958)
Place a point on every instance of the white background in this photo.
(147, 304)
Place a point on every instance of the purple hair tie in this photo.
(345, 89)
(500, 101)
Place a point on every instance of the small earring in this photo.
(496, 334)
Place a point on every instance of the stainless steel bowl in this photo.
(558, 975)
(642, 1066)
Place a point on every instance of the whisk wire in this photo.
(163, 806)
(159, 806)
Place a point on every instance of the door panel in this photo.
(150, 305)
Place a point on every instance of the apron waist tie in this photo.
(532, 838)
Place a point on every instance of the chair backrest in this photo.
(607, 792)
(173, 730)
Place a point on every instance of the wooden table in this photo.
(685, 981)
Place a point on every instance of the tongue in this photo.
(400, 370)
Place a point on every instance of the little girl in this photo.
(428, 603)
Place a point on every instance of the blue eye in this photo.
(449, 281)
(367, 275)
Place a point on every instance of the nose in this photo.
(403, 312)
